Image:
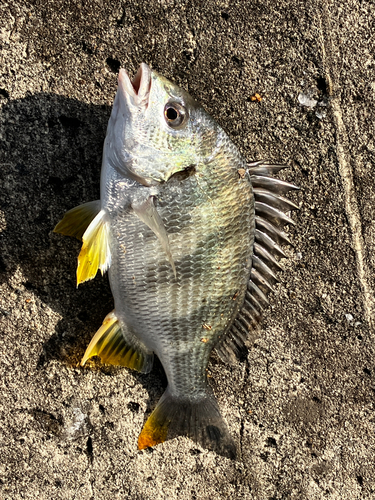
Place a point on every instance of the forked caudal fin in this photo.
(198, 419)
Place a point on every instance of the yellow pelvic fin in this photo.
(76, 221)
(95, 253)
(110, 345)
(154, 431)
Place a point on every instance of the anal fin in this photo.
(111, 345)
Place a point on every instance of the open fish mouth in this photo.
(137, 91)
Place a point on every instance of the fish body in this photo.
(175, 227)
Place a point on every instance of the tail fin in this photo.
(198, 419)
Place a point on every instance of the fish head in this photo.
(156, 129)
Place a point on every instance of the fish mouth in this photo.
(137, 91)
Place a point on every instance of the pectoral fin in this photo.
(95, 252)
(116, 347)
(76, 221)
(148, 214)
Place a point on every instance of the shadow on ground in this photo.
(53, 150)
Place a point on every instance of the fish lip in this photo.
(137, 91)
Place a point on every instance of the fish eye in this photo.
(175, 115)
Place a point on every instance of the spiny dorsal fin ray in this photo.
(257, 292)
(249, 312)
(262, 268)
(233, 346)
(148, 214)
(251, 297)
(115, 348)
(271, 230)
(261, 281)
(274, 200)
(272, 214)
(271, 209)
(266, 256)
(272, 184)
(264, 168)
(268, 243)
(76, 221)
(95, 252)
(226, 350)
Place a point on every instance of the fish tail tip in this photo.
(148, 440)
(155, 430)
(198, 419)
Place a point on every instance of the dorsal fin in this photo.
(271, 215)
(271, 184)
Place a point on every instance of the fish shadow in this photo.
(50, 162)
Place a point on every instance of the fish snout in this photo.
(136, 92)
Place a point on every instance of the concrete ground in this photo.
(301, 406)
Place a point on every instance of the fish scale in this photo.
(175, 227)
(184, 296)
(171, 314)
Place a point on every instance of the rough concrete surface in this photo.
(301, 405)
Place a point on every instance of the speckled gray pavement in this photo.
(301, 405)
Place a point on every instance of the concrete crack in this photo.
(345, 170)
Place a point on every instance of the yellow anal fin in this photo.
(95, 253)
(76, 221)
(110, 345)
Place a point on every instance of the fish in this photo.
(190, 234)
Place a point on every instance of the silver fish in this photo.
(189, 233)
